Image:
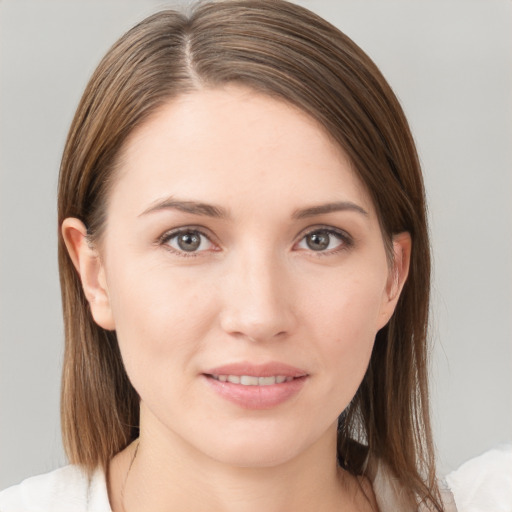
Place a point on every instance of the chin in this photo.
(254, 455)
(261, 448)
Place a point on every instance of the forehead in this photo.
(235, 144)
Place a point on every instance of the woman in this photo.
(227, 344)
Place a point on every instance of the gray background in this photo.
(450, 63)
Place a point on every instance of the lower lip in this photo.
(257, 397)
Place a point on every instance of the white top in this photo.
(483, 484)
(67, 489)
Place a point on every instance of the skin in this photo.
(254, 291)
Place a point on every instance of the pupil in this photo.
(189, 241)
(318, 241)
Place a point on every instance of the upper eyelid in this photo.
(170, 233)
(331, 229)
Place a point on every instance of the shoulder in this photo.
(484, 483)
(65, 489)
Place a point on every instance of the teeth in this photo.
(249, 380)
(246, 380)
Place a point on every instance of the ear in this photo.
(90, 268)
(398, 272)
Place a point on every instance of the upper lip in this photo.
(257, 370)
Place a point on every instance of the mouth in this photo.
(256, 387)
(252, 380)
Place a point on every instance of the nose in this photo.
(257, 298)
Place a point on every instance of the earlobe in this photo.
(91, 270)
(399, 270)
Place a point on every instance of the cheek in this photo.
(161, 318)
(343, 320)
(347, 306)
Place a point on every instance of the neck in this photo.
(163, 473)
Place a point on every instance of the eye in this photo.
(187, 241)
(324, 240)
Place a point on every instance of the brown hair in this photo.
(288, 52)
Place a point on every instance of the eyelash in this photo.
(169, 235)
(346, 240)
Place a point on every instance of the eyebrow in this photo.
(322, 209)
(194, 207)
(209, 210)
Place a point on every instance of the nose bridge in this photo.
(257, 300)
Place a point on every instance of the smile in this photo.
(250, 380)
(256, 386)
(256, 392)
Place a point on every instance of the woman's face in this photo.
(241, 250)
